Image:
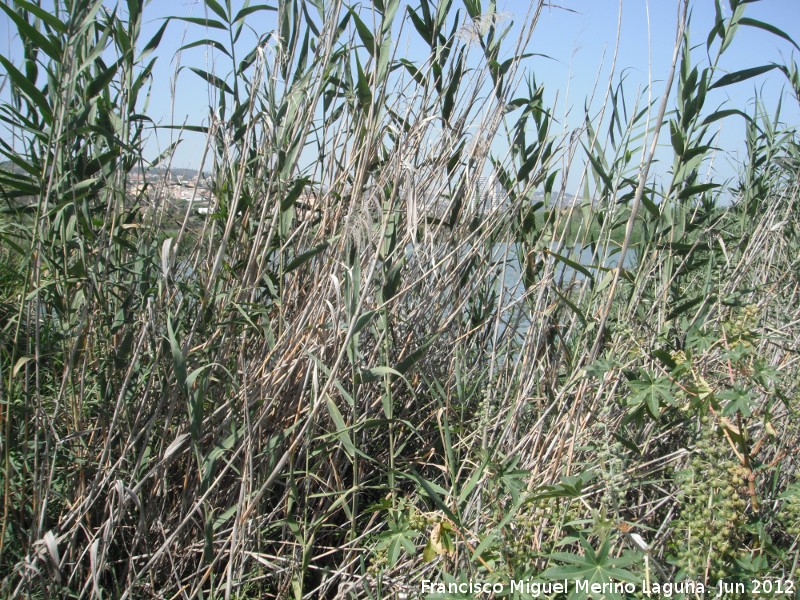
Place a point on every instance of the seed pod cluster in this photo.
(710, 528)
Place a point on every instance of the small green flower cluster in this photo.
(420, 521)
(708, 531)
(379, 561)
(679, 356)
(625, 336)
(485, 410)
(741, 327)
(520, 539)
(789, 513)
(612, 459)
(414, 520)
(535, 529)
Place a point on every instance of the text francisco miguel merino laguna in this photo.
(648, 588)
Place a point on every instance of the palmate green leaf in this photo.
(739, 401)
(650, 392)
(571, 486)
(399, 538)
(593, 567)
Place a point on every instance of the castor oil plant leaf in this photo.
(651, 392)
(738, 402)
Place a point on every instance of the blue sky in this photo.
(582, 43)
(578, 36)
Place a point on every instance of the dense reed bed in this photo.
(395, 378)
